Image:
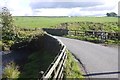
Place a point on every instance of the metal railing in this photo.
(55, 70)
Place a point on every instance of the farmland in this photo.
(51, 22)
(108, 24)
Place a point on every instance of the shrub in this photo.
(8, 27)
(110, 41)
(11, 71)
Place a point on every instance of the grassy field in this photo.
(46, 22)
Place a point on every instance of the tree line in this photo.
(111, 14)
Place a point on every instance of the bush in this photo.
(10, 42)
(110, 41)
(6, 44)
(8, 27)
(11, 71)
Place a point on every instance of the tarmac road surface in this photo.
(99, 61)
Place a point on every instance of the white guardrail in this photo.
(55, 70)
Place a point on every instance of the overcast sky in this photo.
(60, 7)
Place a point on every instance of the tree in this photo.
(111, 14)
(8, 28)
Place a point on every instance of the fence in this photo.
(56, 68)
(99, 34)
(57, 32)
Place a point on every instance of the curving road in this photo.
(99, 61)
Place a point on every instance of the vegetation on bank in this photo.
(72, 69)
(12, 34)
(77, 30)
(23, 36)
(36, 64)
(87, 26)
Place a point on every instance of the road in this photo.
(99, 61)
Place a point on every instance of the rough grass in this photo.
(11, 71)
(72, 69)
(46, 22)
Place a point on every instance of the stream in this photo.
(19, 57)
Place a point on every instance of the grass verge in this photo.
(94, 40)
(72, 69)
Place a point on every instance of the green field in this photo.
(46, 22)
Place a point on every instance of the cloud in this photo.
(119, 9)
(97, 8)
(73, 7)
(38, 5)
(67, 12)
(17, 7)
(60, 7)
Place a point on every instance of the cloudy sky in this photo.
(60, 7)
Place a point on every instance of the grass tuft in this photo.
(11, 71)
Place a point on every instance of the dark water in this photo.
(19, 57)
